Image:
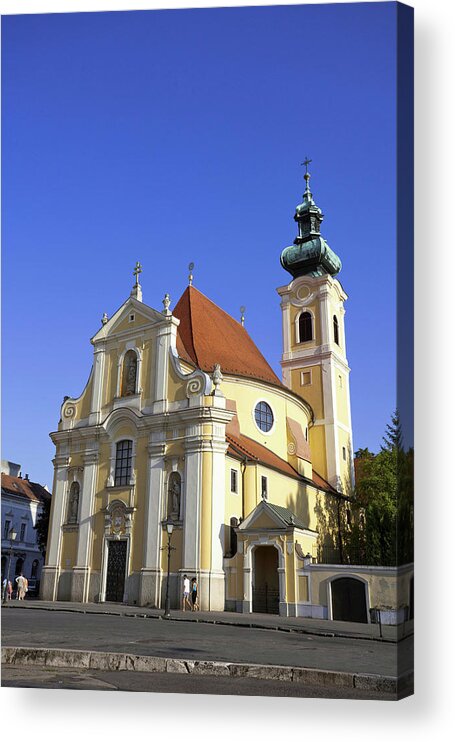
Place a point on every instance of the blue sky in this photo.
(170, 136)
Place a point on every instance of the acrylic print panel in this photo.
(213, 198)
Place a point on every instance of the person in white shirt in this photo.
(186, 593)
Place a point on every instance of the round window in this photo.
(264, 416)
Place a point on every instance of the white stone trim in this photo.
(248, 573)
(104, 563)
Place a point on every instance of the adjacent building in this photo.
(22, 503)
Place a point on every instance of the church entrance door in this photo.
(116, 567)
(266, 590)
(349, 600)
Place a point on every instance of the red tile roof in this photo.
(207, 335)
(24, 488)
(241, 446)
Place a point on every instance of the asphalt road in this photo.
(45, 677)
(146, 636)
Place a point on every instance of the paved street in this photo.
(40, 677)
(189, 640)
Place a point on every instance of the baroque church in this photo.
(185, 432)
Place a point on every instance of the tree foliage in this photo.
(42, 526)
(382, 531)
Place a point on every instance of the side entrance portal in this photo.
(116, 568)
(349, 600)
(266, 591)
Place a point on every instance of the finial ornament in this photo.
(136, 291)
(166, 303)
(307, 175)
(217, 378)
(190, 277)
(242, 315)
(104, 318)
(137, 271)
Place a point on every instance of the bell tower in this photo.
(314, 359)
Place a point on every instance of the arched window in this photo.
(73, 503)
(305, 327)
(129, 373)
(19, 566)
(34, 568)
(174, 492)
(336, 333)
(123, 460)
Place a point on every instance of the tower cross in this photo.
(137, 271)
(306, 162)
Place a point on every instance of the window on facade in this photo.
(264, 416)
(305, 378)
(234, 480)
(34, 568)
(336, 333)
(22, 533)
(6, 529)
(123, 461)
(344, 454)
(233, 523)
(305, 327)
(129, 373)
(264, 488)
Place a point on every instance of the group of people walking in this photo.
(190, 597)
(21, 588)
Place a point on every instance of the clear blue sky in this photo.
(170, 136)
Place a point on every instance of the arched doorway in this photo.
(266, 590)
(349, 600)
(19, 566)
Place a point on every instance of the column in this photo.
(97, 389)
(166, 336)
(51, 570)
(192, 499)
(150, 580)
(80, 583)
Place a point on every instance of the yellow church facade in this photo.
(183, 422)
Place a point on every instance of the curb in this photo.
(108, 661)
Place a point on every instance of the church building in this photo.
(185, 432)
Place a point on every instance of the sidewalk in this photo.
(318, 627)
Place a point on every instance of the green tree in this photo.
(382, 528)
(42, 525)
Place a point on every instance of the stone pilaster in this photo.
(150, 579)
(81, 570)
(51, 570)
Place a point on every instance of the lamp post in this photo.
(167, 603)
(12, 535)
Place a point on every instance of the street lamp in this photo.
(12, 535)
(167, 603)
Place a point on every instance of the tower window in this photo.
(305, 327)
(264, 488)
(123, 460)
(305, 378)
(336, 331)
(344, 453)
(22, 535)
(233, 480)
(263, 416)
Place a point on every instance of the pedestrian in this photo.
(9, 590)
(186, 593)
(194, 601)
(21, 583)
(4, 586)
